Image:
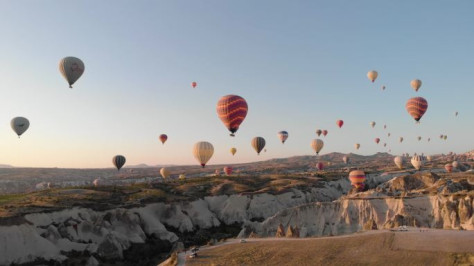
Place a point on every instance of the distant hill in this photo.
(6, 166)
(142, 165)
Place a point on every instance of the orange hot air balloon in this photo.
(320, 166)
(339, 123)
(318, 132)
(232, 110)
(194, 84)
(377, 140)
(163, 138)
(448, 167)
(228, 170)
(357, 178)
(325, 132)
(357, 146)
(416, 107)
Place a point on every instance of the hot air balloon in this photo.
(194, 84)
(384, 126)
(415, 84)
(372, 75)
(339, 123)
(19, 125)
(232, 110)
(417, 161)
(182, 177)
(325, 132)
(320, 166)
(357, 146)
(429, 139)
(228, 170)
(118, 161)
(165, 173)
(419, 138)
(203, 152)
(455, 113)
(233, 151)
(448, 167)
(318, 132)
(163, 138)
(445, 137)
(383, 87)
(429, 158)
(357, 178)
(258, 143)
(317, 145)
(217, 172)
(400, 139)
(388, 134)
(346, 159)
(377, 140)
(372, 124)
(455, 164)
(283, 135)
(385, 144)
(71, 68)
(398, 161)
(416, 107)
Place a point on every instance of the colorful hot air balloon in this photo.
(163, 138)
(415, 84)
(317, 145)
(71, 68)
(357, 178)
(232, 110)
(258, 143)
(372, 75)
(417, 161)
(339, 123)
(357, 146)
(165, 173)
(429, 158)
(416, 107)
(398, 161)
(372, 124)
(194, 84)
(283, 135)
(448, 167)
(228, 170)
(377, 140)
(118, 161)
(325, 132)
(346, 159)
(318, 132)
(19, 125)
(455, 164)
(320, 166)
(203, 152)
(233, 151)
(401, 139)
(182, 177)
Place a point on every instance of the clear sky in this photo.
(301, 65)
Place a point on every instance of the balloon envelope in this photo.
(417, 161)
(283, 136)
(71, 68)
(258, 143)
(415, 84)
(339, 123)
(372, 124)
(346, 159)
(228, 170)
(232, 110)
(118, 161)
(398, 162)
(163, 138)
(357, 146)
(320, 166)
(325, 132)
(203, 152)
(357, 178)
(377, 140)
(233, 151)
(165, 173)
(318, 132)
(317, 145)
(416, 107)
(448, 167)
(194, 84)
(372, 75)
(19, 125)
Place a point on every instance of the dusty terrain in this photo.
(430, 247)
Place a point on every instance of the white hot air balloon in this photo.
(203, 152)
(317, 145)
(19, 125)
(71, 68)
(415, 84)
(398, 161)
(165, 173)
(417, 161)
(372, 75)
(372, 124)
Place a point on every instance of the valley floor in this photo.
(381, 247)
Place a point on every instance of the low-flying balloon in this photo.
(232, 110)
(118, 161)
(320, 166)
(283, 136)
(448, 167)
(416, 107)
(317, 145)
(71, 68)
(415, 84)
(417, 161)
(398, 162)
(346, 159)
(228, 170)
(165, 173)
(182, 177)
(388, 134)
(455, 164)
(258, 143)
(19, 125)
(445, 137)
(384, 126)
(357, 178)
(372, 75)
(203, 152)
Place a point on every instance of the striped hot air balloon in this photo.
(357, 178)
(258, 143)
(416, 107)
(283, 136)
(317, 145)
(320, 166)
(71, 68)
(118, 161)
(203, 152)
(228, 170)
(232, 110)
(448, 167)
(163, 138)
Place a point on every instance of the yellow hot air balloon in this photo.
(233, 150)
(372, 75)
(415, 84)
(398, 161)
(357, 146)
(165, 173)
(203, 152)
(317, 145)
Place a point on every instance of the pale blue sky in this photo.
(301, 65)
